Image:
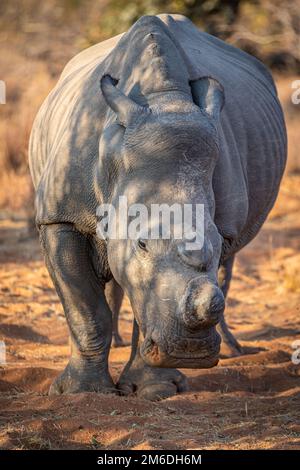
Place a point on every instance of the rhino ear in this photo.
(124, 107)
(208, 94)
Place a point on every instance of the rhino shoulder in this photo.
(88, 56)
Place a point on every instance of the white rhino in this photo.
(180, 117)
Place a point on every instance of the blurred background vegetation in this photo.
(266, 28)
(38, 38)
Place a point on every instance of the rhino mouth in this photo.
(183, 352)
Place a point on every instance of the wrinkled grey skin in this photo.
(186, 118)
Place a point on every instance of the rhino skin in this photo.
(180, 116)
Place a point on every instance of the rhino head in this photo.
(164, 153)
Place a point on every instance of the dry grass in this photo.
(292, 116)
(290, 275)
(27, 84)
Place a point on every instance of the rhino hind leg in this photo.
(114, 295)
(150, 383)
(69, 259)
(231, 344)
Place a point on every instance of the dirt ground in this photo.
(248, 402)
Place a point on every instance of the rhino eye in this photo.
(142, 245)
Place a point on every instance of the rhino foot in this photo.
(230, 346)
(230, 350)
(151, 383)
(75, 379)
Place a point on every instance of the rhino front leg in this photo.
(148, 382)
(69, 259)
(225, 274)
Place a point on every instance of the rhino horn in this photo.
(208, 94)
(124, 107)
